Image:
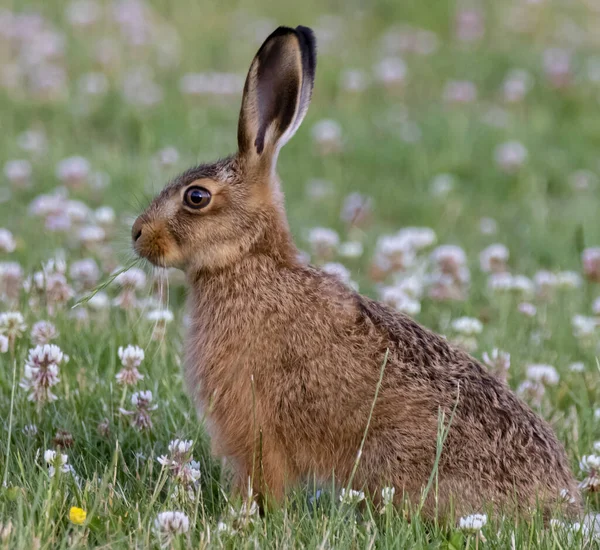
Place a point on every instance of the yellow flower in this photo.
(77, 515)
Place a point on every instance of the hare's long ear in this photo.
(277, 93)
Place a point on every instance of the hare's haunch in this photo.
(283, 360)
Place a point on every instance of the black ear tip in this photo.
(308, 35)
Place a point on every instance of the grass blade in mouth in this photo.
(85, 299)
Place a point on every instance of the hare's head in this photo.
(214, 214)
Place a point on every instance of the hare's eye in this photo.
(197, 197)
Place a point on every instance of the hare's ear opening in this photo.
(277, 93)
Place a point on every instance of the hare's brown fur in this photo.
(283, 360)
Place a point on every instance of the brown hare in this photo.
(283, 360)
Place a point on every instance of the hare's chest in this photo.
(218, 375)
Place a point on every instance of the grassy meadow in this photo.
(449, 165)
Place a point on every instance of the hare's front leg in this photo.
(264, 475)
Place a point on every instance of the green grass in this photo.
(541, 218)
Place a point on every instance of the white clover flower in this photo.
(583, 327)
(391, 72)
(473, 523)
(168, 156)
(104, 215)
(160, 316)
(18, 171)
(30, 430)
(354, 80)
(58, 462)
(387, 495)
(449, 258)
(577, 367)
(82, 13)
(351, 496)
(488, 226)
(327, 135)
(91, 234)
(459, 91)
(169, 525)
(494, 258)
(590, 466)
(338, 270)
(85, 273)
(351, 249)
(506, 282)
(516, 85)
(41, 372)
(93, 84)
(32, 141)
(467, 325)
(7, 241)
(184, 470)
(531, 391)
(417, 238)
(497, 361)
(527, 308)
(12, 325)
(140, 417)
(357, 209)
(3, 343)
(73, 170)
(546, 374)
(42, 332)
(99, 301)
(133, 278)
(442, 185)
(396, 297)
(510, 156)
(131, 356)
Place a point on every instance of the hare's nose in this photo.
(136, 230)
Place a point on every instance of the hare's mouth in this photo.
(154, 243)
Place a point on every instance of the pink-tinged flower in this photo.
(33, 141)
(183, 469)
(510, 156)
(43, 332)
(84, 273)
(4, 344)
(460, 91)
(531, 391)
(169, 525)
(140, 417)
(391, 72)
(583, 180)
(557, 67)
(357, 210)
(169, 156)
(327, 136)
(83, 13)
(323, 242)
(488, 226)
(494, 258)
(527, 309)
(590, 258)
(590, 467)
(354, 80)
(546, 374)
(131, 358)
(90, 235)
(41, 373)
(130, 281)
(161, 318)
(396, 297)
(140, 89)
(7, 241)
(11, 280)
(469, 25)
(516, 85)
(18, 172)
(73, 171)
(498, 362)
(211, 84)
(12, 325)
(93, 84)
